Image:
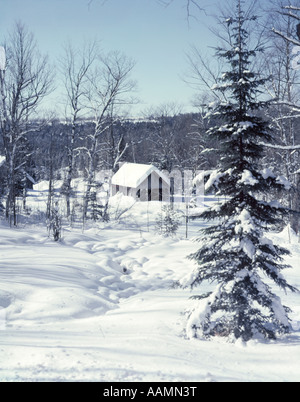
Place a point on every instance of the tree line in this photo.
(95, 133)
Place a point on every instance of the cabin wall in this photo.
(155, 189)
(122, 189)
(158, 190)
(184, 189)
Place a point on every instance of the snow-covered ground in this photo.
(100, 306)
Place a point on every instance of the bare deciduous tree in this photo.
(75, 67)
(190, 5)
(110, 89)
(285, 78)
(291, 12)
(24, 83)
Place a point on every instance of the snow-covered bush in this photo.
(98, 211)
(168, 221)
(55, 223)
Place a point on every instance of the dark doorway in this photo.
(149, 187)
(172, 189)
(160, 189)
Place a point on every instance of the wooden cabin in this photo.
(142, 182)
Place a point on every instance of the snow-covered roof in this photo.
(133, 174)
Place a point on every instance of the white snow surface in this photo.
(100, 306)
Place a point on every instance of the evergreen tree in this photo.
(168, 221)
(235, 252)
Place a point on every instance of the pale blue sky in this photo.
(156, 37)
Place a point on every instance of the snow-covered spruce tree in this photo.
(235, 252)
(168, 221)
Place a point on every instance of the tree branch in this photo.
(282, 35)
(281, 147)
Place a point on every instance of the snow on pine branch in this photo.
(281, 147)
(213, 176)
(247, 179)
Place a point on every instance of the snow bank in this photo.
(101, 306)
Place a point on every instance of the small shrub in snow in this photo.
(168, 221)
(55, 223)
(98, 210)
